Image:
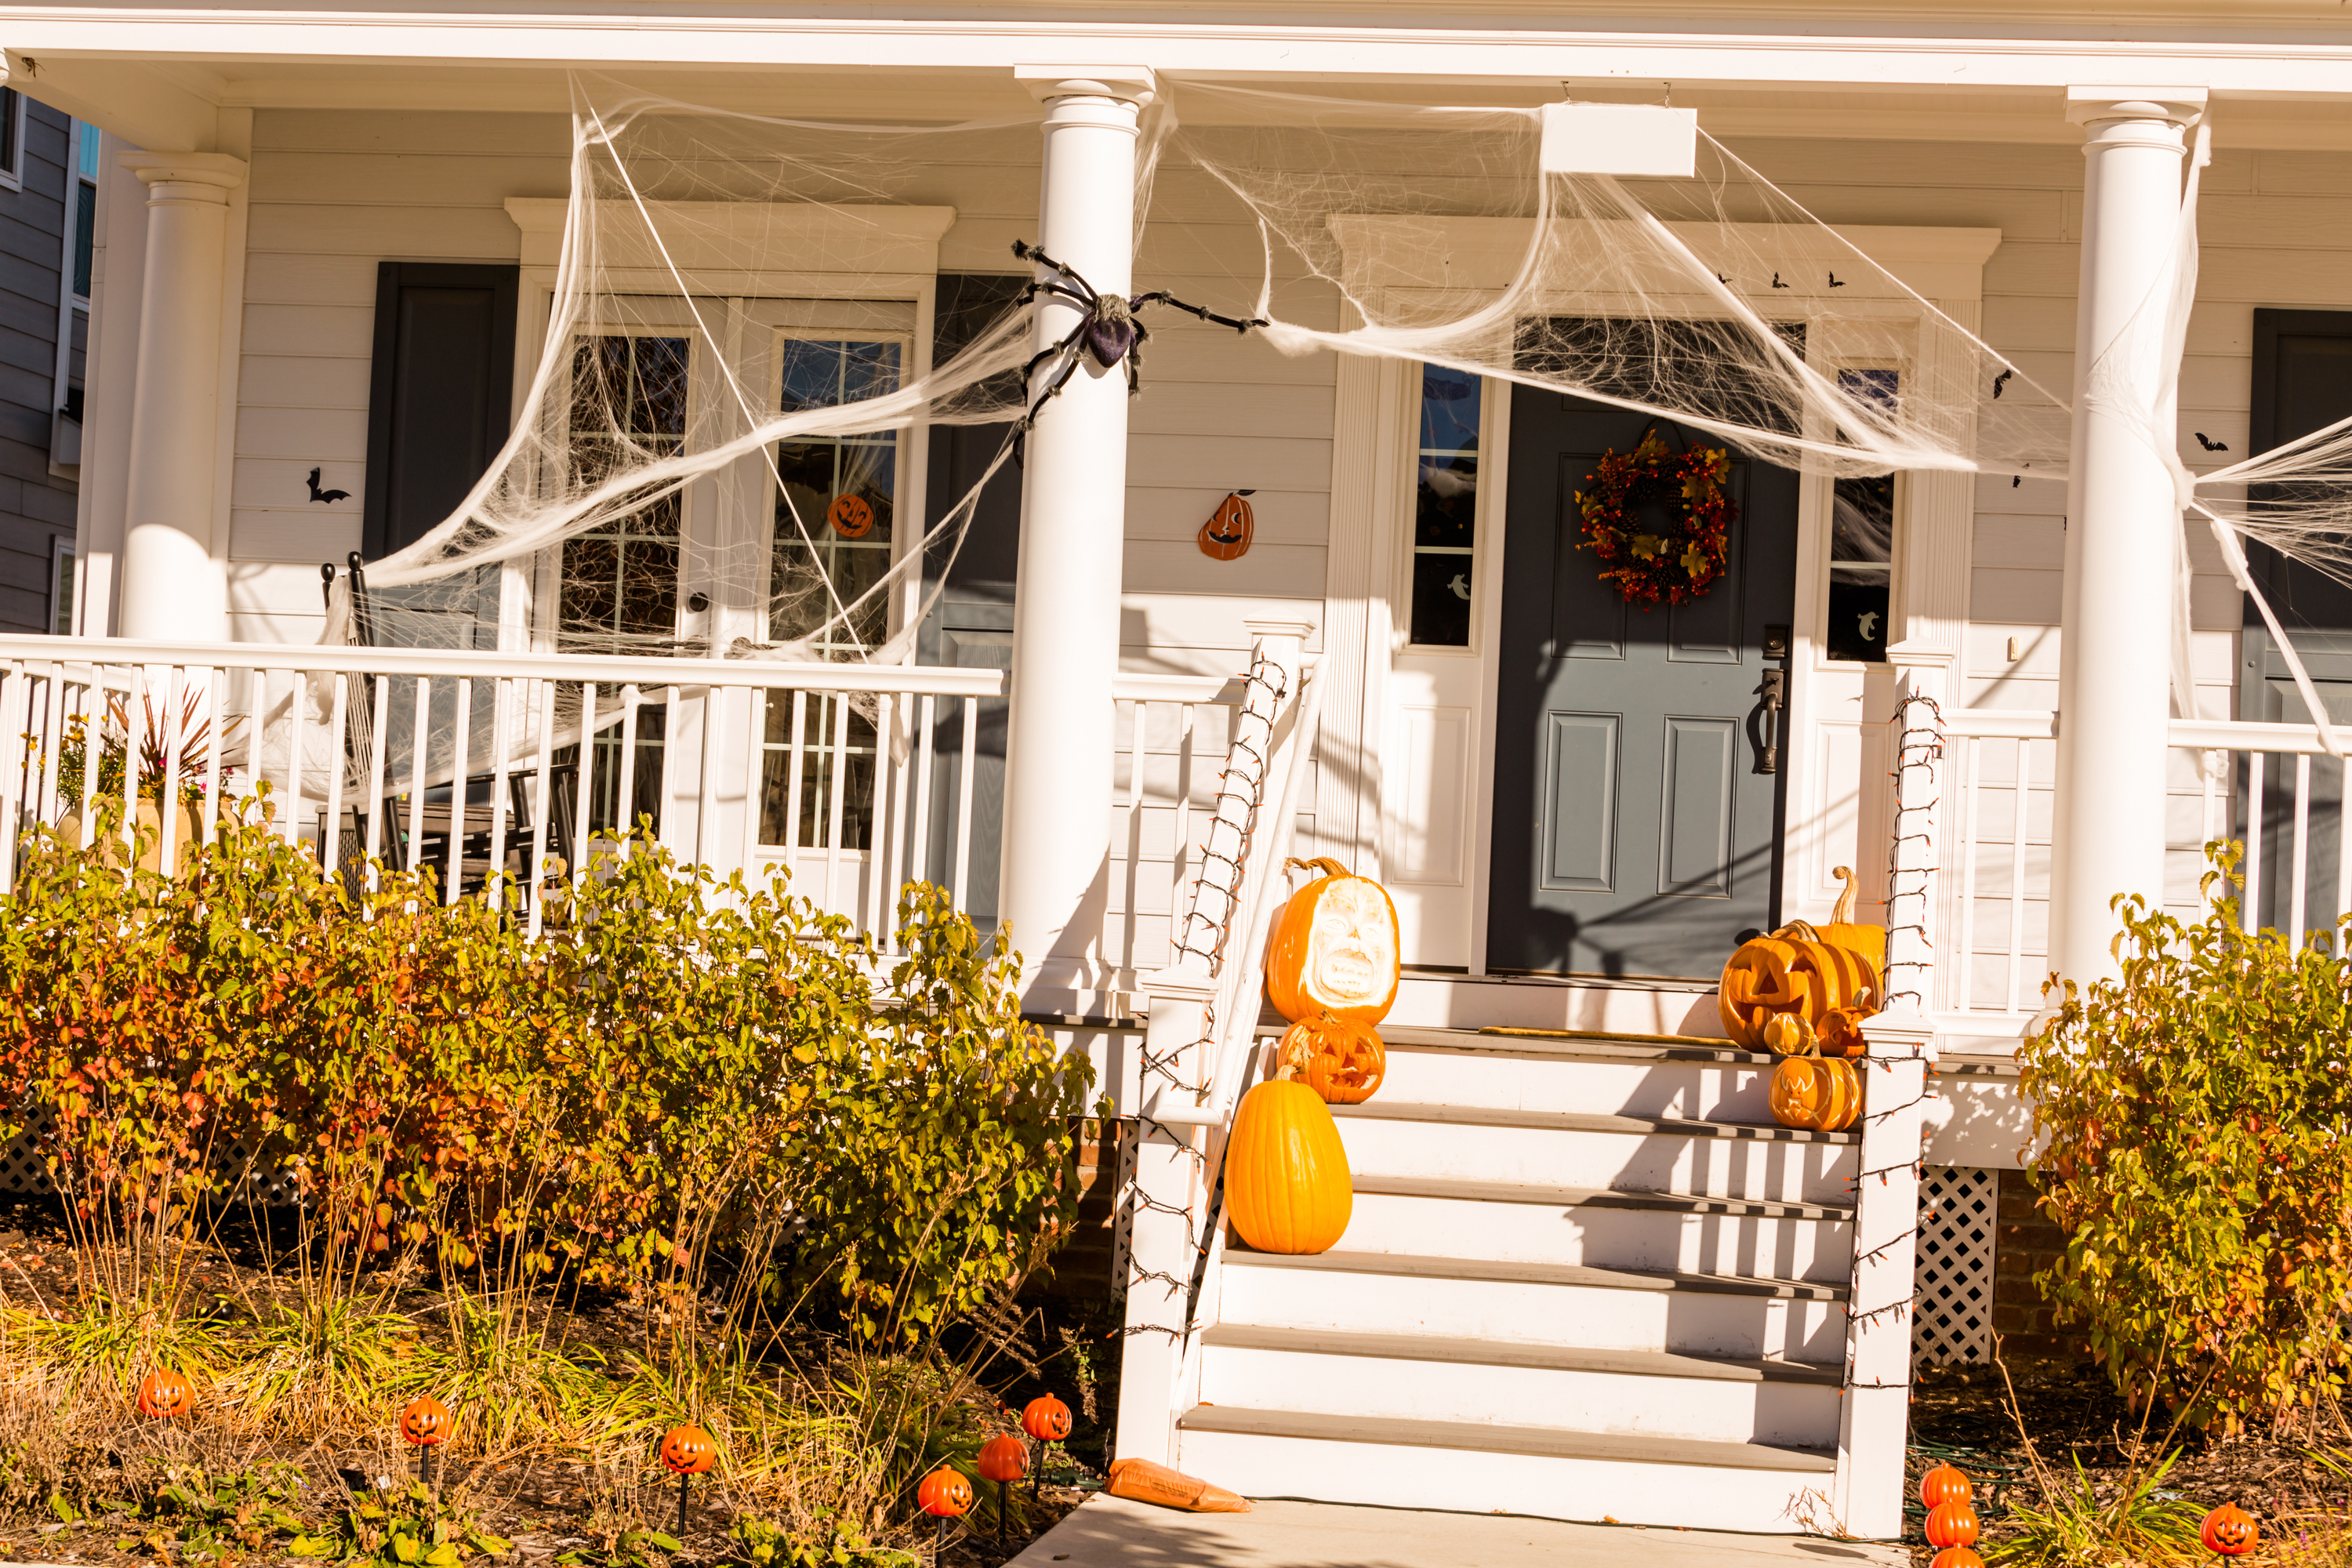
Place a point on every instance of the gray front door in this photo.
(1633, 834)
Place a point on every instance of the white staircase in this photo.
(1587, 1278)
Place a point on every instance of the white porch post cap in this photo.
(218, 170)
(2182, 105)
(1129, 84)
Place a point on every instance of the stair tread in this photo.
(1570, 1044)
(1466, 1350)
(1593, 1197)
(1502, 1272)
(1555, 1442)
(1586, 1122)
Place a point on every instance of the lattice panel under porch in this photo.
(23, 1171)
(1953, 1324)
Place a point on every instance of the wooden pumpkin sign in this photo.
(1814, 1093)
(1334, 948)
(1794, 973)
(1287, 1188)
(1342, 1059)
(1227, 534)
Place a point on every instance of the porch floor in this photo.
(1113, 1533)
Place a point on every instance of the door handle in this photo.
(1764, 720)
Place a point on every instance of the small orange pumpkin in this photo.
(1952, 1524)
(1788, 1035)
(1046, 1418)
(688, 1450)
(1957, 1557)
(1334, 948)
(1227, 534)
(1004, 1458)
(944, 1494)
(851, 517)
(425, 1422)
(1342, 1059)
(2229, 1531)
(165, 1394)
(1287, 1188)
(1816, 1092)
(1945, 1483)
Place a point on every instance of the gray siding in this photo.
(35, 505)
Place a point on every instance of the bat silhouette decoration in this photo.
(323, 496)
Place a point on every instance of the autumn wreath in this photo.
(1659, 568)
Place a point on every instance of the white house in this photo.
(1587, 1276)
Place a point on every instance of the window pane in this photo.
(92, 138)
(620, 580)
(1862, 541)
(1445, 508)
(1858, 601)
(85, 234)
(836, 507)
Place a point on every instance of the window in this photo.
(1861, 544)
(620, 580)
(12, 139)
(834, 530)
(61, 585)
(86, 139)
(1446, 509)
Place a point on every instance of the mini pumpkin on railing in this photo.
(1334, 948)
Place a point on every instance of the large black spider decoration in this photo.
(1107, 333)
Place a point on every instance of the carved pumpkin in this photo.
(1816, 1092)
(1788, 1035)
(1952, 1524)
(1334, 948)
(425, 1422)
(1227, 535)
(851, 517)
(165, 1394)
(1792, 972)
(2229, 1531)
(688, 1450)
(944, 1494)
(1046, 1418)
(1286, 1183)
(1004, 1458)
(1841, 1032)
(1341, 1059)
(1945, 1483)
(1868, 940)
(1957, 1557)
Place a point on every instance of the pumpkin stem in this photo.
(1323, 863)
(1844, 913)
(1798, 931)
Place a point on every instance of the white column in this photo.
(1059, 743)
(2107, 833)
(172, 588)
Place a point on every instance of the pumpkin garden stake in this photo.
(1047, 1419)
(2229, 1531)
(424, 1426)
(944, 1495)
(1004, 1460)
(164, 1394)
(689, 1452)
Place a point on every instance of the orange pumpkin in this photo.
(688, 1450)
(1791, 973)
(1334, 948)
(1004, 1458)
(1046, 1418)
(1952, 1524)
(1870, 941)
(944, 1494)
(1788, 1035)
(1227, 535)
(1945, 1483)
(1287, 1188)
(2229, 1531)
(425, 1422)
(164, 1394)
(1957, 1557)
(1816, 1092)
(1341, 1059)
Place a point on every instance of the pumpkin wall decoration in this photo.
(1287, 1188)
(1334, 948)
(851, 516)
(1227, 534)
(2229, 1531)
(1820, 1093)
(165, 1395)
(1951, 1523)
(1343, 1058)
(1794, 973)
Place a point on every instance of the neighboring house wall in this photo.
(36, 494)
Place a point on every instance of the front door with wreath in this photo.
(1632, 833)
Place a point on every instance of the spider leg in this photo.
(1037, 254)
(1161, 297)
(1069, 368)
(1067, 345)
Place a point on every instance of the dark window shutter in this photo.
(439, 402)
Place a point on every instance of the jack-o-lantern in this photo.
(688, 1450)
(2229, 1531)
(1227, 534)
(1004, 1458)
(1794, 973)
(1952, 1524)
(1046, 1418)
(1945, 1483)
(944, 1494)
(1342, 1059)
(1287, 1188)
(1957, 1557)
(165, 1394)
(852, 516)
(425, 1422)
(1815, 1093)
(1334, 948)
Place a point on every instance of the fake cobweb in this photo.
(715, 453)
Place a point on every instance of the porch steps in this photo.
(1586, 1277)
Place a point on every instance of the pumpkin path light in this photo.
(1047, 1419)
(945, 1493)
(165, 1394)
(689, 1452)
(1004, 1460)
(424, 1426)
(2229, 1531)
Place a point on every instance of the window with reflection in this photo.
(619, 589)
(1861, 544)
(1446, 509)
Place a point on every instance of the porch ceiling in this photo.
(2279, 71)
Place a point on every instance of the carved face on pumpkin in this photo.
(1351, 954)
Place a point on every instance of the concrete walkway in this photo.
(1113, 1533)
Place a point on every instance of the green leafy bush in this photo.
(2194, 1124)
